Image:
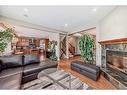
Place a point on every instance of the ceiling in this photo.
(64, 18)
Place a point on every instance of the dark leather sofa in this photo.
(90, 70)
(16, 70)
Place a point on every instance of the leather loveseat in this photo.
(90, 70)
(16, 70)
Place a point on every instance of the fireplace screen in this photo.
(117, 60)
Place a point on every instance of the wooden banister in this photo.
(63, 47)
(72, 49)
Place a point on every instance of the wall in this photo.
(74, 42)
(113, 26)
(77, 46)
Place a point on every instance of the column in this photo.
(67, 51)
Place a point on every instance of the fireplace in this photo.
(114, 62)
(116, 65)
(117, 60)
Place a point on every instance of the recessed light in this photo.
(25, 9)
(65, 25)
(94, 9)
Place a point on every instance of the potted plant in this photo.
(86, 45)
(5, 37)
(52, 48)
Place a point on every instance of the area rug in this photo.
(65, 81)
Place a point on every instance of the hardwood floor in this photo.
(102, 83)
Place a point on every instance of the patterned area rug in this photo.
(63, 81)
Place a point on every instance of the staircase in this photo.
(71, 49)
(63, 48)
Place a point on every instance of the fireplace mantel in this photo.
(114, 41)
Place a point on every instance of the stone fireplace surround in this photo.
(114, 61)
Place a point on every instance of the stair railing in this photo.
(71, 49)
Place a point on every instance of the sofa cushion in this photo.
(90, 70)
(87, 67)
(31, 71)
(11, 61)
(76, 68)
(0, 65)
(90, 75)
(9, 72)
(34, 68)
(30, 59)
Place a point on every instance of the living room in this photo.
(80, 51)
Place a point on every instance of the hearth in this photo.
(119, 76)
(114, 63)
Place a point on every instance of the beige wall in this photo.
(74, 42)
(113, 26)
(77, 46)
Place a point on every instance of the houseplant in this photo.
(52, 48)
(5, 37)
(86, 45)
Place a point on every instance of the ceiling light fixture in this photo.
(65, 25)
(25, 9)
(94, 9)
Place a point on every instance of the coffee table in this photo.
(59, 79)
